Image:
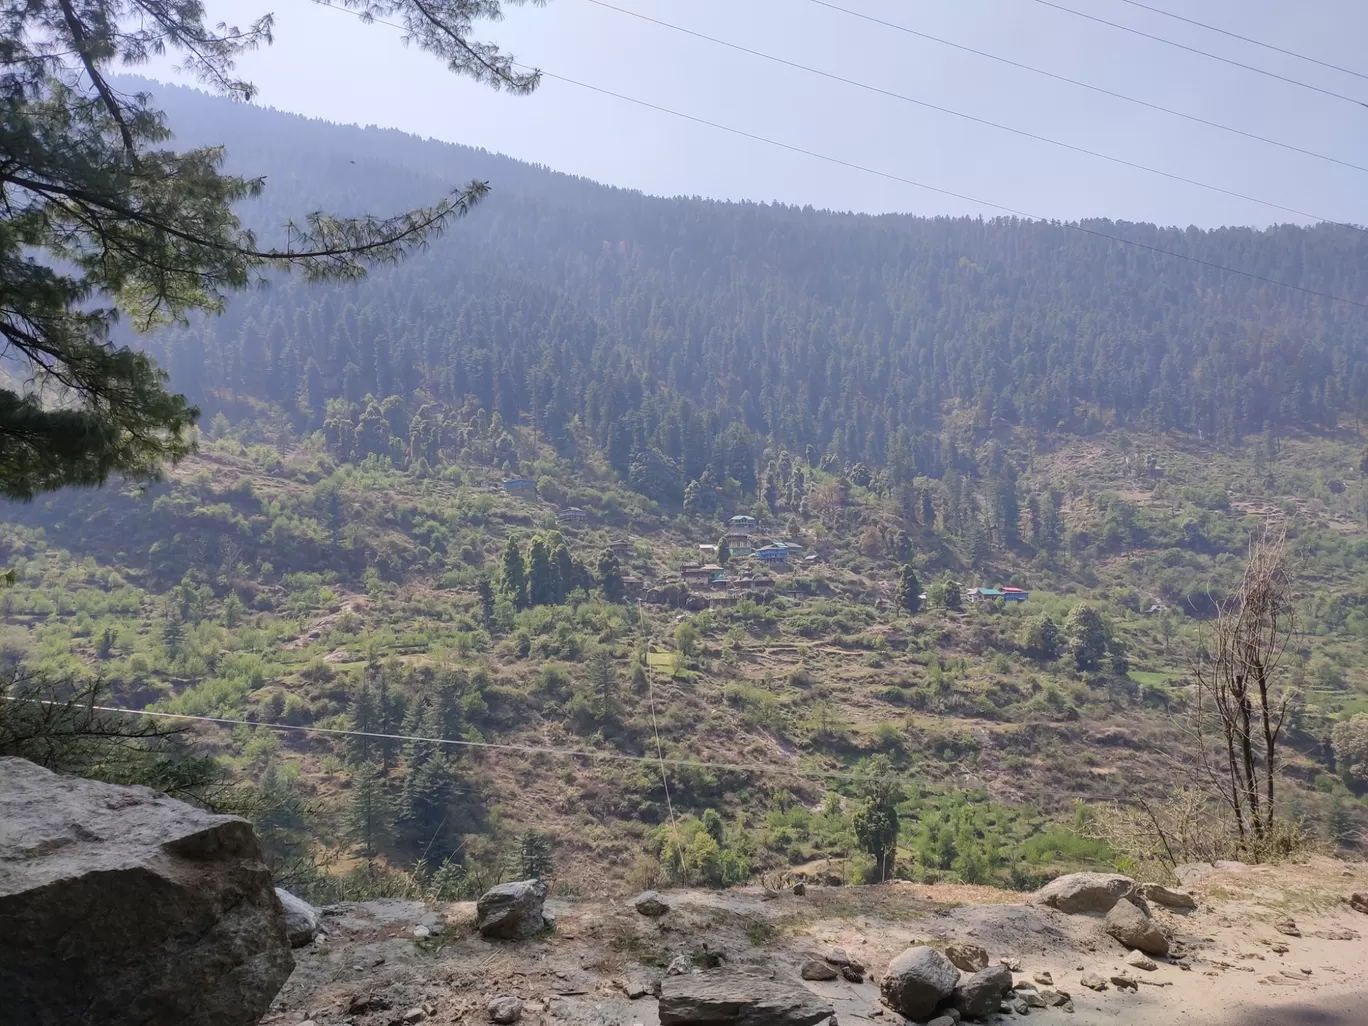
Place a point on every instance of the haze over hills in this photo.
(917, 406)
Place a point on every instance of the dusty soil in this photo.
(372, 970)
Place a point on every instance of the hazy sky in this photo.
(326, 63)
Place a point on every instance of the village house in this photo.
(521, 487)
(572, 515)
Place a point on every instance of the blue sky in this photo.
(327, 64)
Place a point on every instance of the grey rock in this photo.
(413, 1015)
(302, 920)
(1140, 960)
(635, 989)
(1084, 893)
(918, 980)
(504, 1009)
(650, 903)
(840, 957)
(122, 906)
(818, 971)
(1033, 998)
(1161, 895)
(1044, 978)
(1358, 901)
(723, 997)
(1287, 926)
(1093, 982)
(981, 994)
(969, 957)
(1054, 998)
(1133, 927)
(799, 889)
(511, 911)
(679, 966)
(1022, 1008)
(1123, 982)
(942, 1020)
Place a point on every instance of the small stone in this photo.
(1022, 1008)
(635, 989)
(1044, 979)
(876, 1012)
(799, 889)
(1287, 926)
(1093, 982)
(421, 932)
(504, 1009)
(414, 1015)
(817, 971)
(1033, 998)
(1140, 960)
(1134, 927)
(1306, 972)
(839, 957)
(1013, 964)
(851, 974)
(650, 903)
(679, 966)
(941, 1020)
(968, 957)
(1161, 895)
(1123, 982)
(1279, 948)
(1054, 998)
(1358, 901)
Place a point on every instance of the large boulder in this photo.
(302, 920)
(722, 997)
(1084, 893)
(981, 994)
(511, 911)
(650, 903)
(917, 981)
(122, 906)
(1134, 928)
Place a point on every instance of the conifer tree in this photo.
(541, 574)
(610, 576)
(101, 219)
(909, 590)
(370, 814)
(514, 574)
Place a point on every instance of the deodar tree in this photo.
(100, 218)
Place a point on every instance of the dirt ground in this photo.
(1240, 970)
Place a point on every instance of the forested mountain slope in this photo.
(662, 322)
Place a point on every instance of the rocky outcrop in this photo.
(1133, 927)
(511, 911)
(302, 920)
(981, 994)
(122, 906)
(917, 981)
(969, 957)
(1158, 894)
(722, 997)
(1084, 893)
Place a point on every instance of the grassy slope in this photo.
(285, 594)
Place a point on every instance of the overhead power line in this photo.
(1246, 39)
(890, 176)
(1024, 133)
(757, 768)
(1088, 85)
(1204, 53)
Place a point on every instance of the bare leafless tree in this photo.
(1242, 698)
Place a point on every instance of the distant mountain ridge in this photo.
(662, 324)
